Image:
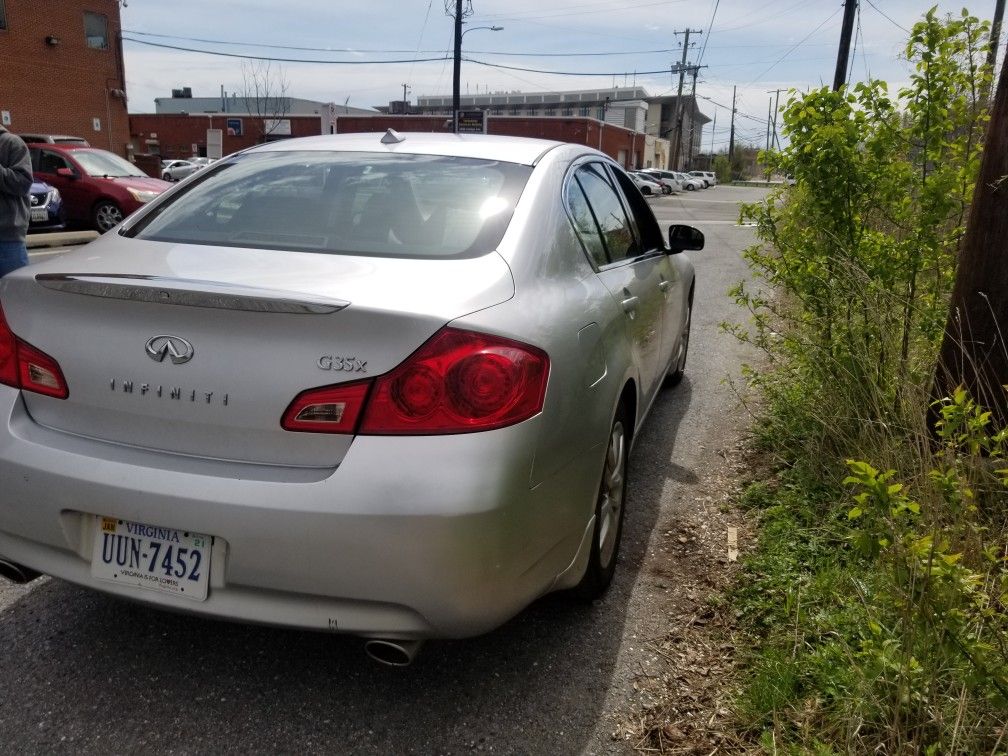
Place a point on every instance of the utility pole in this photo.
(995, 38)
(973, 352)
(457, 70)
(768, 113)
(712, 132)
(405, 109)
(731, 134)
(846, 32)
(677, 149)
(776, 93)
(689, 147)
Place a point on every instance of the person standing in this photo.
(15, 186)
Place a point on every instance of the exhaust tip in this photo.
(17, 573)
(393, 653)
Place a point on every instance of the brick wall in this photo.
(617, 142)
(172, 136)
(61, 88)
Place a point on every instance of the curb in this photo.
(60, 239)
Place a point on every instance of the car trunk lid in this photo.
(201, 358)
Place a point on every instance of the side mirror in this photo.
(682, 238)
(66, 172)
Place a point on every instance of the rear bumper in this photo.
(432, 537)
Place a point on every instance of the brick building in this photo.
(62, 70)
(184, 135)
(629, 148)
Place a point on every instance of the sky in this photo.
(756, 46)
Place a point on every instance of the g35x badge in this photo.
(340, 362)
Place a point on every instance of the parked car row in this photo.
(97, 187)
(654, 181)
(77, 183)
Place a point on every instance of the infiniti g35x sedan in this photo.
(384, 386)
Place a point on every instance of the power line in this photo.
(272, 59)
(795, 47)
(760, 121)
(886, 17)
(703, 48)
(663, 51)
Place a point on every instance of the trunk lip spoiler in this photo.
(187, 292)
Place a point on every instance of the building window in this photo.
(3, 15)
(96, 30)
(515, 110)
(550, 111)
(584, 110)
(568, 112)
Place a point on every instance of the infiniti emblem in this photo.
(180, 350)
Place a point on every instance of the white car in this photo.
(176, 170)
(709, 178)
(669, 177)
(646, 186)
(690, 183)
(384, 386)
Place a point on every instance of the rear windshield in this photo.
(349, 203)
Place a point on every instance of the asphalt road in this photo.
(83, 673)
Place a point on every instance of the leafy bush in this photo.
(878, 623)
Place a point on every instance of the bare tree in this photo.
(264, 89)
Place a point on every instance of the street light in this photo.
(457, 72)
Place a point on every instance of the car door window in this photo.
(620, 242)
(585, 225)
(50, 162)
(644, 223)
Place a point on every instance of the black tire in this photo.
(690, 188)
(609, 509)
(106, 215)
(646, 190)
(678, 367)
(166, 177)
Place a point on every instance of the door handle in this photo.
(664, 285)
(630, 305)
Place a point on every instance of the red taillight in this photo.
(459, 382)
(330, 409)
(25, 367)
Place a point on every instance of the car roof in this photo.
(509, 149)
(54, 139)
(64, 146)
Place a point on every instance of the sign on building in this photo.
(273, 127)
(472, 122)
(234, 126)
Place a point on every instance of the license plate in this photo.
(39, 215)
(151, 557)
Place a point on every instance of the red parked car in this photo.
(99, 188)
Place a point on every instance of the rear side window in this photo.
(48, 161)
(345, 203)
(605, 203)
(585, 225)
(644, 221)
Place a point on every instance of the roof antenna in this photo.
(392, 137)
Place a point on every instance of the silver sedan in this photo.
(374, 385)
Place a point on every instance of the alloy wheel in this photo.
(107, 216)
(611, 498)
